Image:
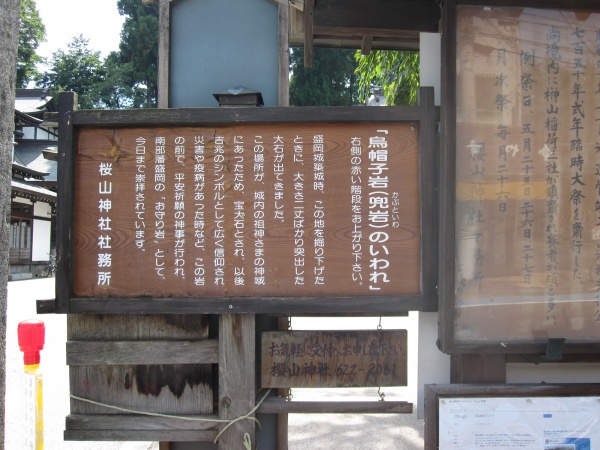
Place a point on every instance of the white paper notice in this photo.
(548, 423)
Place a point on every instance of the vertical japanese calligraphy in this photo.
(104, 254)
(527, 156)
(261, 210)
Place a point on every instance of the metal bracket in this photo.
(554, 349)
(554, 352)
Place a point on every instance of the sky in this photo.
(98, 20)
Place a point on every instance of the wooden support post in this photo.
(428, 171)
(164, 52)
(308, 32)
(65, 241)
(282, 431)
(367, 44)
(282, 419)
(237, 378)
(284, 55)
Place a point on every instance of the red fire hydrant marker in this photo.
(31, 341)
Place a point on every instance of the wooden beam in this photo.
(164, 52)
(308, 32)
(278, 405)
(284, 56)
(136, 435)
(135, 427)
(291, 305)
(216, 116)
(82, 353)
(367, 43)
(140, 422)
(346, 32)
(415, 15)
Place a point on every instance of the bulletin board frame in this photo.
(435, 393)
(72, 121)
(466, 329)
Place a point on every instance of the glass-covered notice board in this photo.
(522, 172)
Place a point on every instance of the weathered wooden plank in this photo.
(137, 435)
(142, 352)
(166, 389)
(334, 358)
(137, 326)
(237, 379)
(281, 405)
(215, 116)
(127, 339)
(290, 305)
(140, 422)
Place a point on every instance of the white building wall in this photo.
(41, 209)
(40, 245)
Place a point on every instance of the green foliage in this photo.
(78, 69)
(138, 54)
(396, 71)
(118, 90)
(124, 79)
(331, 81)
(31, 34)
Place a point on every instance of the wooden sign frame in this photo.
(434, 393)
(455, 335)
(318, 359)
(71, 120)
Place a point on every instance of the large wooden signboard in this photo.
(248, 210)
(255, 210)
(303, 359)
(525, 177)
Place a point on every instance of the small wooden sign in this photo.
(303, 359)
